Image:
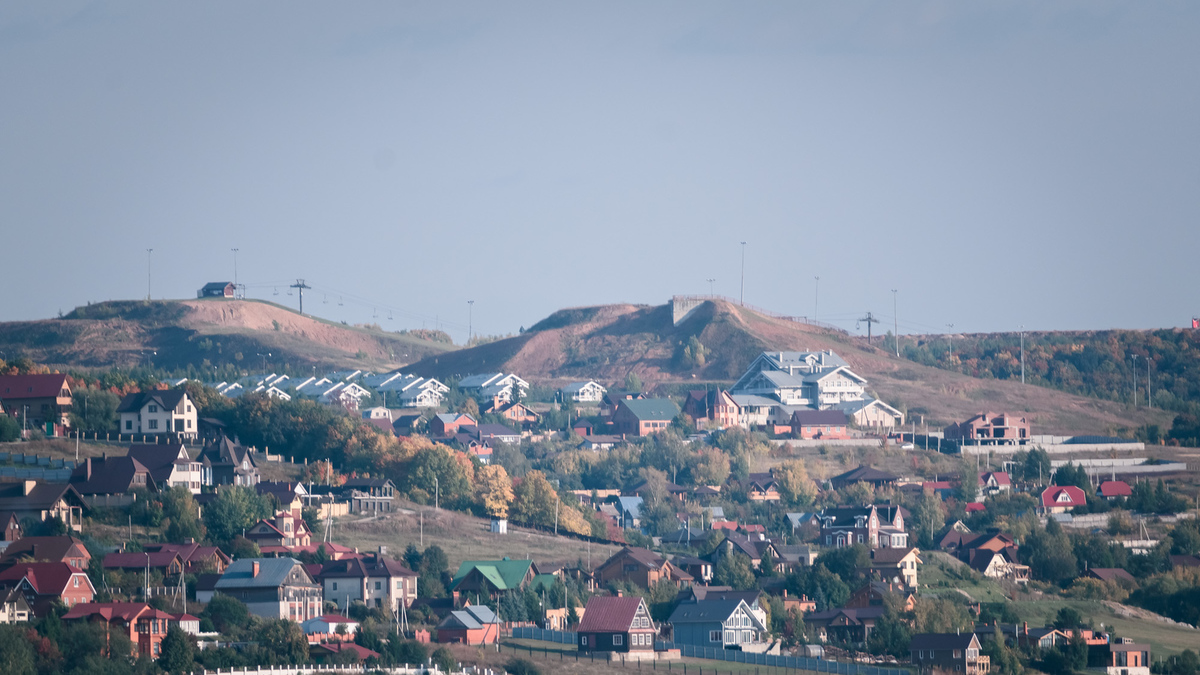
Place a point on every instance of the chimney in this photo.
(785, 592)
(255, 569)
(87, 471)
(35, 552)
(620, 593)
(29, 486)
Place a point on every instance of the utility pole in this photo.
(816, 297)
(1135, 357)
(148, 252)
(950, 336)
(235, 278)
(896, 325)
(437, 493)
(300, 285)
(1149, 399)
(1022, 354)
(742, 296)
(710, 287)
(470, 321)
(869, 319)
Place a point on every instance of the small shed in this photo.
(499, 526)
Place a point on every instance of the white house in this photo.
(167, 411)
(415, 392)
(492, 386)
(170, 465)
(327, 624)
(777, 383)
(584, 392)
(871, 412)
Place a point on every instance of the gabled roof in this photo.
(272, 573)
(646, 557)
(609, 614)
(43, 496)
(658, 409)
(46, 578)
(1063, 496)
(109, 475)
(1001, 477)
(168, 399)
(129, 560)
(159, 459)
(852, 407)
(17, 387)
(854, 615)
(1109, 574)
(1115, 488)
(47, 549)
(712, 610)
(123, 611)
(941, 641)
(359, 568)
(504, 574)
(338, 647)
(190, 553)
(471, 617)
(865, 474)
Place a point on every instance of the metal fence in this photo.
(718, 654)
(36, 460)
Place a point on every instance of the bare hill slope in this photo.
(606, 343)
(178, 333)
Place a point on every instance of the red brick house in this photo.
(44, 584)
(64, 548)
(447, 424)
(828, 424)
(713, 404)
(11, 526)
(616, 624)
(640, 566)
(988, 428)
(642, 417)
(471, 625)
(145, 626)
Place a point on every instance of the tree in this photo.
(235, 509)
(412, 556)
(493, 489)
(795, 487)
(286, 639)
(1050, 554)
(516, 666)
(633, 382)
(734, 570)
(178, 652)
(469, 407)
(436, 470)
(968, 483)
(444, 659)
(534, 500)
(1037, 465)
(711, 467)
(17, 655)
(928, 518)
(226, 613)
(1067, 617)
(10, 429)
(94, 409)
(180, 508)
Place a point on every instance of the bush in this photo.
(10, 429)
(521, 667)
(444, 659)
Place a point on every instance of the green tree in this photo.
(178, 652)
(226, 613)
(633, 382)
(94, 409)
(180, 508)
(285, 639)
(534, 500)
(235, 509)
(928, 518)
(16, 653)
(795, 487)
(444, 659)
(436, 470)
(10, 429)
(968, 483)
(1067, 617)
(734, 570)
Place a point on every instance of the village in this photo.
(790, 520)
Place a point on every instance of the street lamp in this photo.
(895, 324)
(148, 252)
(742, 296)
(235, 277)
(710, 287)
(816, 297)
(470, 321)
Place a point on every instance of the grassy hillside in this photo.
(176, 334)
(608, 342)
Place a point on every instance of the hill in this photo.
(607, 342)
(177, 334)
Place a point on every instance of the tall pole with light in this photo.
(742, 295)
(1022, 354)
(235, 277)
(470, 321)
(895, 324)
(148, 252)
(1135, 379)
(711, 292)
(816, 298)
(950, 336)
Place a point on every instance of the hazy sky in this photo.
(998, 163)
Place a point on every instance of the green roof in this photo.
(504, 574)
(652, 408)
(541, 581)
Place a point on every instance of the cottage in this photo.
(170, 466)
(145, 626)
(329, 627)
(167, 562)
(948, 652)
(493, 576)
(492, 385)
(14, 607)
(583, 392)
(819, 380)
(642, 417)
(715, 405)
(851, 625)
(616, 624)
(46, 583)
(718, 622)
(1062, 498)
(285, 530)
(273, 588)
(1115, 489)
(895, 564)
(472, 625)
(158, 412)
(36, 400)
(65, 548)
(875, 526)
(10, 527)
(864, 474)
(226, 462)
(43, 501)
(369, 495)
(819, 424)
(871, 413)
(444, 425)
(373, 580)
(994, 482)
(1126, 658)
(640, 566)
(196, 559)
(998, 565)
(762, 487)
(109, 476)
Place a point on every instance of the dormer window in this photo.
(153, 408)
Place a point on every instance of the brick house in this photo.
(988, 428)
(145, 626)
(1062, 498)
(875, 526)
(64, 548)
(616, 624)
(471, 625)
(716, 405)
(828, 424)
(38, 399)
(642, 417)
(447, 424)
(46, 583)
(42, 501)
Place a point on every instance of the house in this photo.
(608, 405)
(186, 623)
(640, 566)
(196, 559)
(1113, 574)
(491, 433)
(864, 474)
(226, 462)
(142, 624)
(36, 400)
(876, 526)
(790, 557)
(45, 584)
(616, 624)
(273, 588)
(338, 653)
(851, 625)
(10, 525)
(895, 564)
(753, 548)
(493, 576)
(217, 289)
(1062, 498)
(994, 482)
(876, 593)
(167, 562)
(369, 495)
(818, 380)
(411, 391)
(716, 405)
(582, 427)
(471, 625)
(167, 411)
(998, 565)
(372, 580)
(948, 652)
(819, 424)
(1115, 489)
(105, 476)
(447, 424)
(700, 570)
(513, 411)
(170, 465)
(642, 417)
(285, 530)
(988, 428)
(600, 442)
(871, 413)
(65, 549)
(289, 495)
(583, 392)
(719, 622)
(762, 487)
(628, 511)
(1126, 658)
(43, 501)
(329, 628)
(491, 385)
(14, 607)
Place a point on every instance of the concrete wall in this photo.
(1053, 449)
(682, 307)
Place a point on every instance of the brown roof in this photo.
(16, 387)
(609, 614)
(1108, 574)
(169, 399)
(46, 549)
(359, 568)
(108, 475)
(889, 556)
(125, 611)
(151, 559)
(43, 496)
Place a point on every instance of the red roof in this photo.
(754, 528)
(1063, 496)
(47, 578)
(972, 507)
(125, 611)
(13, 387)
(1000, 476)
(337, 647)
(1116, 488)
(724, 525)
(606, 614)
(936, 485)
(154, 560)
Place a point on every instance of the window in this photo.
(378, 585)
(76, 582)
(714, 636)
(128, 425)
(583, 640)
(958, 653)
(728, 637)
(618, 640)
(335, 585)
(189, 424)
(153, 424)
(153, 408)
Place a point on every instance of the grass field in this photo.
(464, 537)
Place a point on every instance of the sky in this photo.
(998, 164)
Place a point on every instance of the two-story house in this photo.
(719, 622)
(988, 428)
(640, 566)
(196, 559)
(948, 652)
(274, 588)
(64, 548)
(168, 411)
(43, 501)
(895, 564)
(284, 531)
(715, 405)
(226, 462)
(491, 577)
(875, 526)
(642, 417)
(369, 495)
(36, 400)
(142, 624)
(170, 465)
(45, 584)
(583, 392)
(616, 624)
(373, 580)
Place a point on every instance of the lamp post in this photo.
(1022, 354)
(1135, 358)
(710, 287)
(148, 252)
(742, 295)
(235, 277)
(895, 324)
(816, 297)
(950, 336)
(470, 321)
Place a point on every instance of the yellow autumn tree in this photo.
(795, 487)
(494, 490)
